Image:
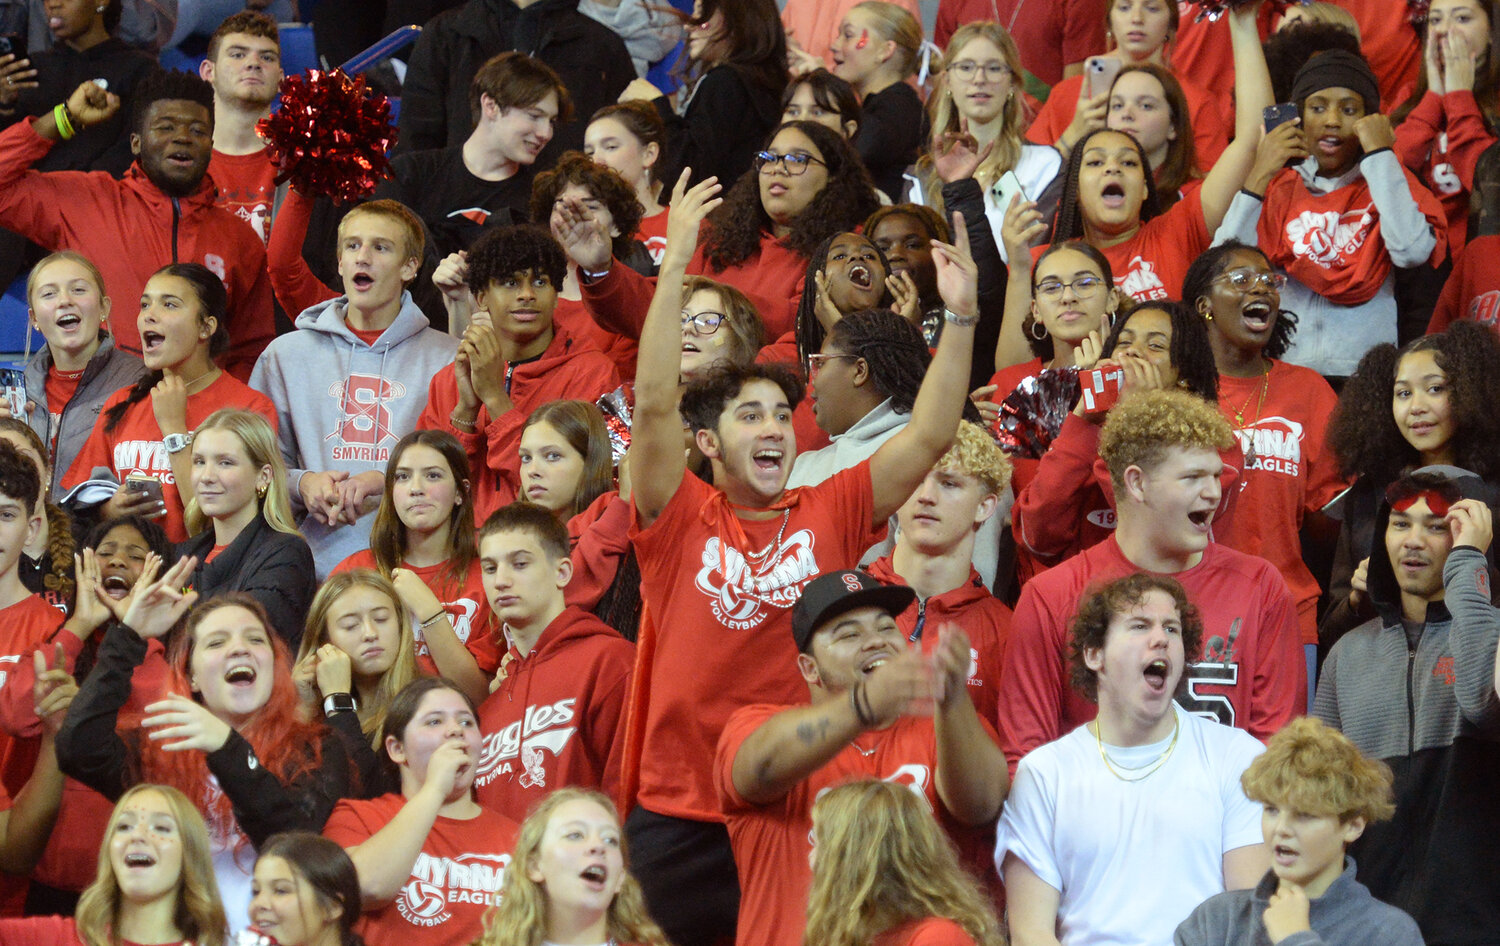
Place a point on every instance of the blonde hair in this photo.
(945, 118)
(414, 236)
(520, 918)
(1331, 13)
(70, 256)
(1143, 427)
(255, 435)
(975, 453)
(881, 861)
(398, 675)
(895, 25)
(199, 915)
(1314, 769)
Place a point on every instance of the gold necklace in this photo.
(1151, 767)
(187, 387)
(1265, 384)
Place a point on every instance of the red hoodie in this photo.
(600, 536)
(130, 229)
(557, 716)
(568, 369)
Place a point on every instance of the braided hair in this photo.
(896, 353)
(809, 330)
(1210, 265)
(1070, 213)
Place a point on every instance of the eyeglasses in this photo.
(967, 68)
(1083, 287)
(815, 362)
(704, 323)
(1246, 280)
(794, 164)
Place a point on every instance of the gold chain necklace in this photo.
(1152, 766)
(1265, 384)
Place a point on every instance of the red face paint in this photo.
(864, 39)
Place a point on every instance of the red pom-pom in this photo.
(1213, 9)
(330, 135)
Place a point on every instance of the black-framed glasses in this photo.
(1082, 286)
(967, 69)
(703, 323)
(1247, 280)
(815, 362)
(794, 163)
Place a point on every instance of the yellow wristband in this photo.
(64, 124)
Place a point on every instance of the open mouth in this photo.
(689, 347)
(139, 859)
(181, 159)
(1156, 672)
(594, 875)
(151, 341)
(768, 460)
(1113, 194)
(362, 280)
(68, 321)
(860, 276)
(115, 586)
(873, 664)
(1283, 854)
(1257, 316)
(1414, 563)
(1330, 144)
(1200, 518)
(240, 676)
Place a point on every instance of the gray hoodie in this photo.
(342, 404)
(107, 372)
(649, 32)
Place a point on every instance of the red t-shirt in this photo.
(929, 931)
(59, 388)
(1202, 53)
(1153, 263)
(468, 611)
(1210, 114)
(1473, 290)
(49, 931)
(367, 335)
(247, 187)
(1390, 43)
(1249, 673)
(653, 233)
(716, 626)
(1288, 471)
(455, 879)
(1050, 36)
(1332, 243)
(135, 446)
(771, 842)
(558, 716)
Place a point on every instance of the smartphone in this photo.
(1274, 115)
(1101, 388)
(141, 483)
(1007, 187)
(1101, 72)
(6, 46)
(13, 387)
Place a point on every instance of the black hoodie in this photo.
(1429, 710)
(588, 56)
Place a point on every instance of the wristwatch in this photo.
(338, 703)
(176, 443)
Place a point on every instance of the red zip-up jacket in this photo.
(567, 370)
(557, 717)
(130, 229)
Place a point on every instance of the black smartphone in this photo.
(1274, 115)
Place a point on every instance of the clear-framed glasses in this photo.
(794, 163)
(1082, 286)
(704, 323)
(816, 362)
(967, 69)
(1245, 280)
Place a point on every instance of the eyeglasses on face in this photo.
(704, 323)
(967, 69)
(1246, 280)
(1082, 286)
(816, 362)
(794, 163)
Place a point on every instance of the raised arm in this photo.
(1252, 94)
(899, 465)
(27, 826)
(1023, 223)
(656, 451)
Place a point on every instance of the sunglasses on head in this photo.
(1440, 497)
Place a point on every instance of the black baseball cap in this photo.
(835, 593)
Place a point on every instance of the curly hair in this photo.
(1070, 222)
(577, 169)
(1090, 626)
(504, 251)
(19, 478)
(944, 118)
(1181, 162)
(1192, 354)
(199, 913)
(1044, 348)
(388, 533)
(975, 453)
(1197, 289)
(1363, 431)
(882, 860)
(519, 917)
(58, 572)
(1315, 770)
(1287, 49)
(704, 400)
(737, 228)
(403, 669)
(809, 328)
(213, 303)
(168, 85)
(1142, 428)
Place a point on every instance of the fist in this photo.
(1375, 132)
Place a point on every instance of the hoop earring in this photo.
(1038, 327)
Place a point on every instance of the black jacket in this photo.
(588, 56)
(92, 750)
(725, 123)
(276, 568)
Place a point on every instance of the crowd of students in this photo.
(877, 493)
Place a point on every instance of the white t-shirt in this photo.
(1131, 859)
